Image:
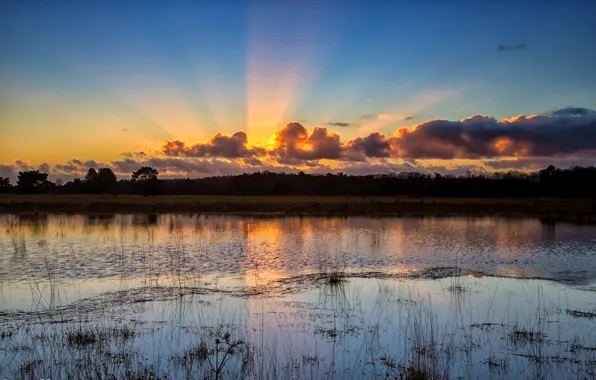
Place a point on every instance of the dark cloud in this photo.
(512, 47)
(485, 137)
(572, 111)
(408, 117)
(538, 163)
(253, 161)
(339, 124)
(375, 145)
(72, 166)
(220, 145)
(125, 130)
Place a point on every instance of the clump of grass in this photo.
(124, 332)
(310, 359)
(328, 333)
(81, 337)
(335, 277)
(143, 374)
(5, 334)
(456, 287)
(581, 314)
(521, 336)
(400, 371)
(497, 365)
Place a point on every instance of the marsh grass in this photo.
(97, 350)
(497, 365)
(398, 335)
(335, 277)
(457, 280)
(582, 314)
(81, 336)
(14, 232)
(520, 336)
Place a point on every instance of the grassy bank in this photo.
(581, 209)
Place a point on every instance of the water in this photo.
(453, 297)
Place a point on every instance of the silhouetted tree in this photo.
(106, 181)
(146, 173)
(5, 186)
(31, 182)
(91, 176)
(145, 181)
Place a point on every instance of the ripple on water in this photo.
(77, 247)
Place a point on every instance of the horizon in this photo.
(198, 90)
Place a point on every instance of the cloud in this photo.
(295, 141)
(7, 171)
(177, 167)
(479, 136)
(220, 145)
(339, 124)
(572, 111)
(125, 130)
(512, 47)
(374, 145)
(135, 155)
(538, 163)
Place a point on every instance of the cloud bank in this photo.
(564, 137)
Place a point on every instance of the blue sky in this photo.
(75, 74)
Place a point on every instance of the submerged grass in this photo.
(393, 339)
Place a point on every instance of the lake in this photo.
(209, 296)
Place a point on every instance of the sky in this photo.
(212, 88)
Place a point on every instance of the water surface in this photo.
(461, 297)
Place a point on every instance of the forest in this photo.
(575, 182)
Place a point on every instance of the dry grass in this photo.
(403, 205)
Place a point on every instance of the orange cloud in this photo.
(295, 141)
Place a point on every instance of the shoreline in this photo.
(552, 209)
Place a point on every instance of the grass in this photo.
(392, 339)
(498, 365)
(581, 314)
(81, 337)
(577, 209)
(523, 336)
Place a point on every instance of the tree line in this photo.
(549, 182)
